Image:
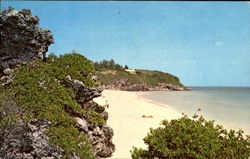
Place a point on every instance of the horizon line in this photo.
(222, 86)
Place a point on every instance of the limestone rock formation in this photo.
(140, 87)
(27, 141)
(83, 94)
(101, 137)
(21, 39)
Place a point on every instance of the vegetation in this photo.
(110, 72)
(39, 89)
(194, 138)
(6, 105)
(52, 55)
(142, 77)
(126, 67)
(106, 65)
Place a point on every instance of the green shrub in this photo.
(39, 89)
(195, 138)
(71, 140)
(142, 77)
(9, 111)
(106, 65)
(74, 65)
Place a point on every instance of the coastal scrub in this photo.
(40, 90)
(142, 77)
(194, 138)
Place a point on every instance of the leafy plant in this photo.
(194, 138)
(142, 77)
(39, 88)
(106, 65)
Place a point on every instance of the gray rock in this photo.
(75, 156)
(7, 76)
(74, 83)
(8, 71)
(120, 85)
(22, 40)
(27, 141)
(82, 124)
(93, 106)
(83, 94)
(105, 115)
(95, 78)
(100, 137)
(101, 141)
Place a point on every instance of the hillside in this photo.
(114, 76)
(47, 107)
(46, 104)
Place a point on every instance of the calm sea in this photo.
(228, 106)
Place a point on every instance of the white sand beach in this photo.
(126, 110)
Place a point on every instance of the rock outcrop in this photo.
(126, 86)
(100, 136)
(21, 41)
(27, 141)
(83, 94)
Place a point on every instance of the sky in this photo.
(202, 43)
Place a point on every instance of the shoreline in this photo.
(145, 88)
(217, 117)
(159, 104)
(131, 116)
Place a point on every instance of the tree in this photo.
(74, 51)
(193, 139)
(107, 64)
(112, 64)
(126, 67)
(52, 55)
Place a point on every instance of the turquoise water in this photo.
(228, 106)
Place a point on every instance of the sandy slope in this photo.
(125, 117)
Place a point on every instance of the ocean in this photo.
(228, 106)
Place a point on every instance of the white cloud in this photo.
(219, 43)
(248, 3)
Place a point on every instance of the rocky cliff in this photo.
(100, 136)
(46, 106)
(21, 38)
(21, 41)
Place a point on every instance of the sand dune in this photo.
(131, 116)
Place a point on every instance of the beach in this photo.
(131, 116)
(228, 106)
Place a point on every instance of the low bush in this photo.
(39, 89)
(194, 138)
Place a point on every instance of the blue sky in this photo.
(203, 43)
